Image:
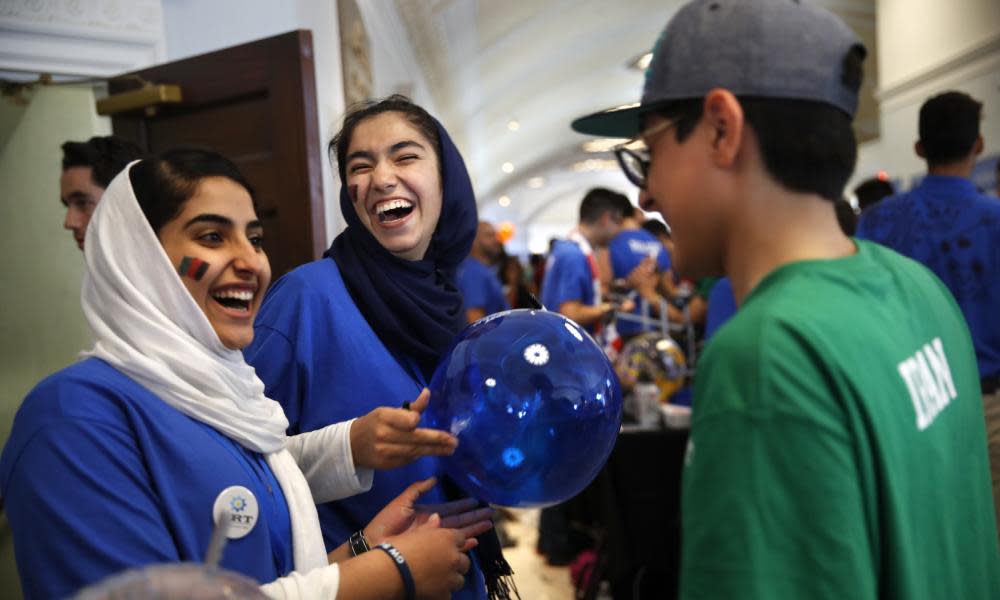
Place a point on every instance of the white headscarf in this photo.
(147, 325)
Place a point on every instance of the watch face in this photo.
(359, 544)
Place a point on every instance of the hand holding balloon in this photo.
(404, 515)
(387, 437)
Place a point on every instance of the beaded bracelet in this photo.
(404, 570)
(359, 543)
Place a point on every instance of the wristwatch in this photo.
(359, 543)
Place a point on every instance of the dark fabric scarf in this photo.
(415, 307)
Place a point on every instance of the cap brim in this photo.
(621, 121)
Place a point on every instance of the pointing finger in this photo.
(421, 402)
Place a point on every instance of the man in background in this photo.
(951, 228)
(87, 169)
(572, 284)
(477, 277)
(640, 261)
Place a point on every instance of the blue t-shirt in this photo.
(947, 225)
(627, 250)
(100, 475)
(568, 277)
(631, 247)
(480, 287)
(721, 306)
(321, 360)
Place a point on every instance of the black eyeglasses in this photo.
(633, 155)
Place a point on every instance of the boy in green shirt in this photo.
(837, 446)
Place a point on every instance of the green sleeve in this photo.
(773, 505)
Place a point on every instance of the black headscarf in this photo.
(414, 306)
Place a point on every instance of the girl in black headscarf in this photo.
(363, 328)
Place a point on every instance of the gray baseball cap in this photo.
(755, 48)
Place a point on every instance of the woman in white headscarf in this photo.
(133, 455)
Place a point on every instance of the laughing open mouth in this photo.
(234, 299)
(393, 210)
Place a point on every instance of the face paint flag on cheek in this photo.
(353, 191)
(193, 268)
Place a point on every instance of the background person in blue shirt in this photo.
(361, 330)
(126, 458)
(572, 285)
(946, 224)
(642, 263)
(477, 277)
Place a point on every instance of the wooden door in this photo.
(256, 104)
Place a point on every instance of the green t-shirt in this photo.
(838, 444)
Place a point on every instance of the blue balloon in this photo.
(535, 405)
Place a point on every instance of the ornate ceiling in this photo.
(542, 64)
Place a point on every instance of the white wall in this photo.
(198, 26)
(394, 64)
(927, 47)
(41, 324)
(914, 35)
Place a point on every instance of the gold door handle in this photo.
(148, 98)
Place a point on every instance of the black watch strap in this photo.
(359, 543)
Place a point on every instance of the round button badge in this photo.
(237, 504)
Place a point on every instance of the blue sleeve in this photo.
(566, 280)
(663, 260)
(83, 486)
(721, 306)
(618, 252)
(275, 358)
(473, 287)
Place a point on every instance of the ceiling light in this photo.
(507, 167)
(602, 144)
(504, 201)
(595, 164)
(513, 125)
(536, 182)
(538, 246)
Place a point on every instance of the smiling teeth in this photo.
(244, 295)
(392, 205)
